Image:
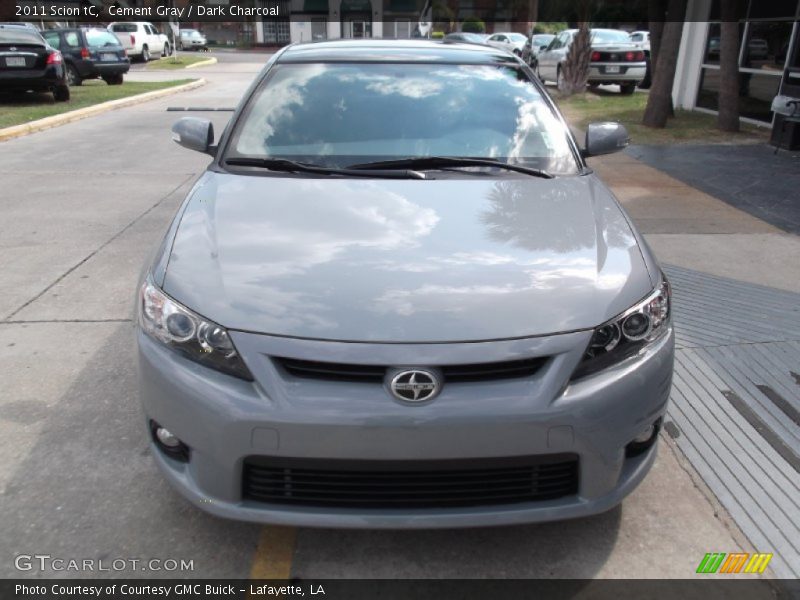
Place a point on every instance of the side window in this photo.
(72, 39)
(53, 39)
(151, 30)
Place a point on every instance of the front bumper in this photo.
(225, 420)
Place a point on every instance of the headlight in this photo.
(193, 336)
(626, 334)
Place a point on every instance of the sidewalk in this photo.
(690, 228)
(735, 410)
(748, 176)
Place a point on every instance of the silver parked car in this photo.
(508, 41)
(398, 297)
(615, 59)
(191, 39)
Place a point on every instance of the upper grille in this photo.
(409, 484)
(375, 373)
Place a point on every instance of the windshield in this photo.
(100, 38)
(609, 36)
(19, 36)
(124, 27)
(339, 114)
(470, 37)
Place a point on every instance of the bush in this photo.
(437, 35)
(552, 27)
(473, 25)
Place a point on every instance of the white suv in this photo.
(141, 40)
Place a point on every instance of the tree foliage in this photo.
(575, 70)
(473, 25)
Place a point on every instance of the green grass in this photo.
(181, 61)
(23, 108)
(686, 127)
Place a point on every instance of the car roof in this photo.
(27, 26)
(81, 28)
(400, 51)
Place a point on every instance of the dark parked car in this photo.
(535, 44)
(90, 53)
(29, 63)
(465, 38)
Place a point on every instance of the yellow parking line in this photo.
(273, 558)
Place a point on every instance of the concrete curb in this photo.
(202, 63)
(89, 111)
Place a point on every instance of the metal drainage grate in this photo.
(736, 403)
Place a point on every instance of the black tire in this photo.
(113, 79)
(626, 89)
(73, 78)
(166, 51)
(559, 78)
(145, 53)
(517, 52)
(61, 93)
(648, 76)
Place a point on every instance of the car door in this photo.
(154, 41)
(497, 41)
(70, 44)
(548, 59)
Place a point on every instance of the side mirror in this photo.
(194, 134)
(605, 138)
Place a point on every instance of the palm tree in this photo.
(659, 104)
(728, 118)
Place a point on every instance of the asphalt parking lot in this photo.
(83, 205)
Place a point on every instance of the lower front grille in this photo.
(409, 484)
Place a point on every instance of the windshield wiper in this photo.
(435, 162)
(290, 166)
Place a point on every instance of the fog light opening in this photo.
(644, 441)
(169, 443)
(642, 438)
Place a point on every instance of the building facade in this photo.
(769, 57)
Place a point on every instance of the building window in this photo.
(765, 41)
(276, 31)
(767, 45)
(319, 29)
(756, 92)
(402, 29)
(711, 56)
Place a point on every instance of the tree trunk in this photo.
(575, 70)
(657, 11)
(659, 104)
(728, 118)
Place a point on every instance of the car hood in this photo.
(405, 260)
